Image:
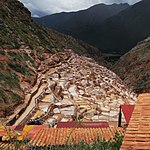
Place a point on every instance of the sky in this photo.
(40, 8)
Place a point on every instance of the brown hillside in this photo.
(134, 67)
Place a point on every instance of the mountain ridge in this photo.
(117, 33)
(122, 31)
(74, 22)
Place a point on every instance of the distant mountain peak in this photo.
(75, 22)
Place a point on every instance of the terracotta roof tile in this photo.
(10, 146)
(62, 136)
(138, 132)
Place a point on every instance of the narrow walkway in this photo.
(30, 107)
(137, 136)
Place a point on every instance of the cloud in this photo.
(45, 7)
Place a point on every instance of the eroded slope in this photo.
(134, 66)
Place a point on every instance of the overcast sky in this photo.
(46, 7)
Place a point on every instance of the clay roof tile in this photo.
(63, 136)
(138, 132)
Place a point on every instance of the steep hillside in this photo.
(74, 23)
(23, 47)
(134, 66)
(18, 28)
(122, 31)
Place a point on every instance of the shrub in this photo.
(9, 80)
(3, 96)
(18, 68)
(2, 52)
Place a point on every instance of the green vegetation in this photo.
(16, 62)
(2, 65)
(143, 82)
(8, 98)
(19, 62)
(20, 57)
(3, 97)
(134, 67)
(18, 28)
(18, 68)
(15, 97)
(9, 80)
(10, 95)
(2, 52)
(15, 56)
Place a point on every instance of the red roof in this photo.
(137, 136)
(69, 136)
(127, 111)
(82, 125)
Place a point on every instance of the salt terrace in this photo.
(70, 87)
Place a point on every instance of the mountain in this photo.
(122, 31)
(74, 23)
(23, 47)
(117, 32)
(18, 28)
(134, 66)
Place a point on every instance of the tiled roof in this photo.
(63, 136)
(82, 125)
(6, 145)
(137, 136)
(11, 146)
